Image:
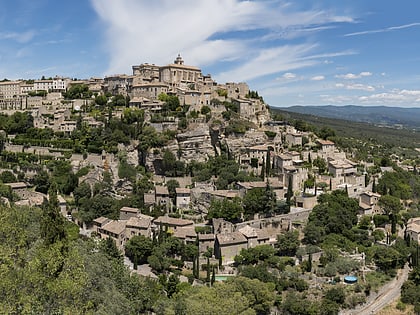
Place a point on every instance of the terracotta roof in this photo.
(173, 221)
(17, 185)
(206, 237)
(129, 209)
(138, 222)
(161, 190)
(149, 198)
(262, 234)
(231, 238)
(248, 231)
(325, 142)
(225, 193)
(115, 227)
(101, 220)
(182, 190)
(184, 232)
(250, 185)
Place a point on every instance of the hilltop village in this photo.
(168, 152)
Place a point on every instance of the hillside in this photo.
(353, 129)
(378, 115)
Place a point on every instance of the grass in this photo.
(377, 279)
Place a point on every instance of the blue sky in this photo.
(296, 52)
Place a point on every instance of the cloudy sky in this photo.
(296, 52)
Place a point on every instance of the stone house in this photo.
(205, 241)
(368, 203)
(228, 245)
(186, 234)
(116, 230)
(162, 196)
(294, 139)
(341, 168)
(172, 224)
(413, 229)
(128, 212)
(306, 202)
(139, 225)
(327, 146)
(183, 198)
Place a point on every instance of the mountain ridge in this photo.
(397, 117)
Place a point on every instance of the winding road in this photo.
(386, 295)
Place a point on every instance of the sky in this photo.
(296, 52)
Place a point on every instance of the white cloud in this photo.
(205, 32)
(23, 37)
(382, 30)
(318, 78)
(356, 86)
(352, 76)
(289, 75)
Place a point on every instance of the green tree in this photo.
(320, 163)
(288, 243)
(335, 213)
(7, 177)
(138, 249)
(52, 223)
(289, 194)
(230, 210)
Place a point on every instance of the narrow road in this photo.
(386, 295)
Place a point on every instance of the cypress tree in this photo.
(52, 222)
(268, 163)
(213, 276)
(262, 175)
(374, 185)
(310, 262)
(289, 194)
(208, 270)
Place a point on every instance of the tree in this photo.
(230, 210)
(288, 243)
(390, 205)
(52, 223)
(334, 213)
(109, 247)
(289, 194)
(320, 163)
(257, 200)
(172, 184)
(138, 249)
(7, 177)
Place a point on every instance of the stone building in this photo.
(413, 229)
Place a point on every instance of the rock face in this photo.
(238, 144)
(195, 144)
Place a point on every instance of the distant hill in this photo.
(404, 137)
(396, 117)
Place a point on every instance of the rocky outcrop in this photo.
(238, 144)
(195, 144)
